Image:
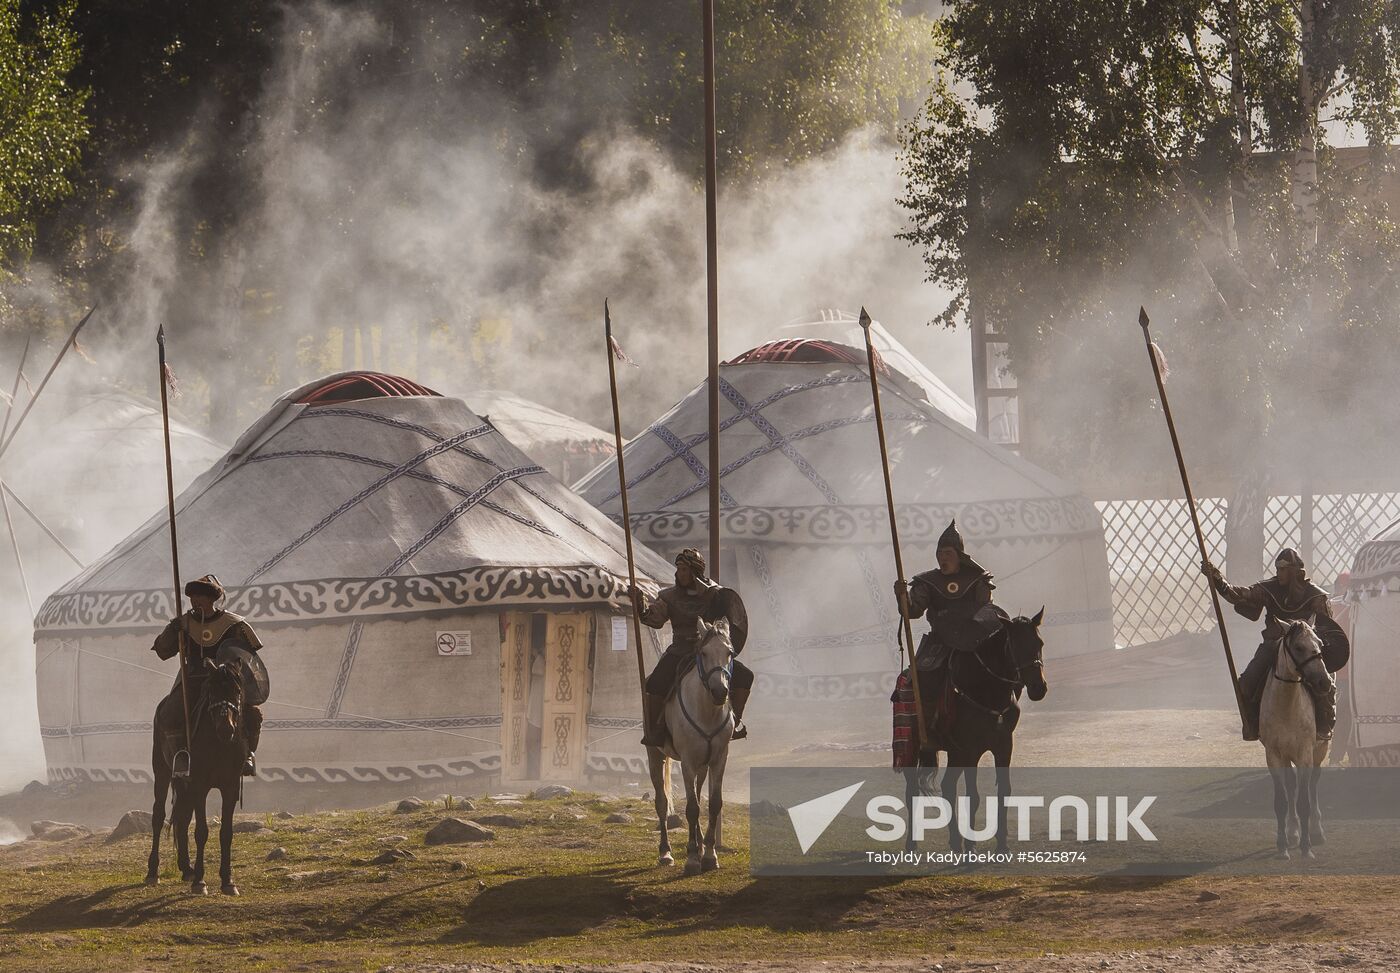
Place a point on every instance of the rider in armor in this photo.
(207, 630)
(1285, 598)
(693, 596)
(957, 597)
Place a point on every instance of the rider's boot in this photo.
(1325, 712)
(738, 699)
(252, 732)
(655, 719)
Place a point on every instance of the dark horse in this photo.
(217, 752)
(985, 686)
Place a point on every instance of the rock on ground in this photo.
(408, 805)
(132, 822)
(551, 791)
(57, 830)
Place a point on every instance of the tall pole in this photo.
(47, 375)
(894, 529)
(712, 279)
(19, 559)
(5, 487)
(174, 544)
(1190, 503)
(626, 512)
(14, 393)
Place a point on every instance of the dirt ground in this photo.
(1290, 958)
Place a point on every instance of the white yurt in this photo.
(1373, 600)
(565, 446)
(433, 604)
(804, 522)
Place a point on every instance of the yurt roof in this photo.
(530, 425)
(844, 327)
(396, 503)
(91, 462)
(802, 465)
(1376, 570)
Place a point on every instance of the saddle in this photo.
(686, 664)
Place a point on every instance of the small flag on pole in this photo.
(83, 352)
(171, 382)
(1161, 360)
(618, 353)
(25, 379)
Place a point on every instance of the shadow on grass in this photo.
(530, 909)
(541, 907)
(92, 912)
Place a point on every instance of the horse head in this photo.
(1026, 648)
(714, 653)
(1300, 653)
(223, 693)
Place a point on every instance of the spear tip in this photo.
(1142, 316)
(865, 319)
(160, 332)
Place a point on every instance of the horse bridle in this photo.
(201, 705)
(1299, 666)
(1016, 684)
(704, 677)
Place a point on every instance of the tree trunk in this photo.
(1242, 181)
(1305, 159)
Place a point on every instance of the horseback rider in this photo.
(207, 631)
(957, 597)
(1287, 597)
(694, 596)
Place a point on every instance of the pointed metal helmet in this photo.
(951, 537)
(1289, 556)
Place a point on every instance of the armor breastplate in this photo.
(1279, 606)
(208, 633)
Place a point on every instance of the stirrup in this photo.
(741, 732)
(250, 766)
(180, 764)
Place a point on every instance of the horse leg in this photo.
(710, 860)
(1276, 772)
(1290, 787)
(694, 780)
(162, 789)
(201, 835)
(660, 766)
(950, 794)
(1314, 774)
(974, 804)
(229, 793)
(1002, 755)
(180, 824)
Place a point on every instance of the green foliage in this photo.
(1074, 161)
(42, 126)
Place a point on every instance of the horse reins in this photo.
(704, 677)
(1018, 683)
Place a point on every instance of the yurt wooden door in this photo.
(544, 696)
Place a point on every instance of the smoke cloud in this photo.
(442, 252)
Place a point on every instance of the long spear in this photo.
(626, 513)
(48, 375)
(1190, 502)
(712, 279)
(174, 553)
(894, 528)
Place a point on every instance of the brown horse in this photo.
(986, 686)
(217, 752)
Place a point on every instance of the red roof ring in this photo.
(808, 351)
(362, 385)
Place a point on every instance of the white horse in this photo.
(1288, 730)
(699, 723)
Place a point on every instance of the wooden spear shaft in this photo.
(626, 512)
(1190, 503)
(712, 279)
(47, 375)
(174, 545)
(894, 528)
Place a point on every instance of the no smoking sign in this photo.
(454, 643)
